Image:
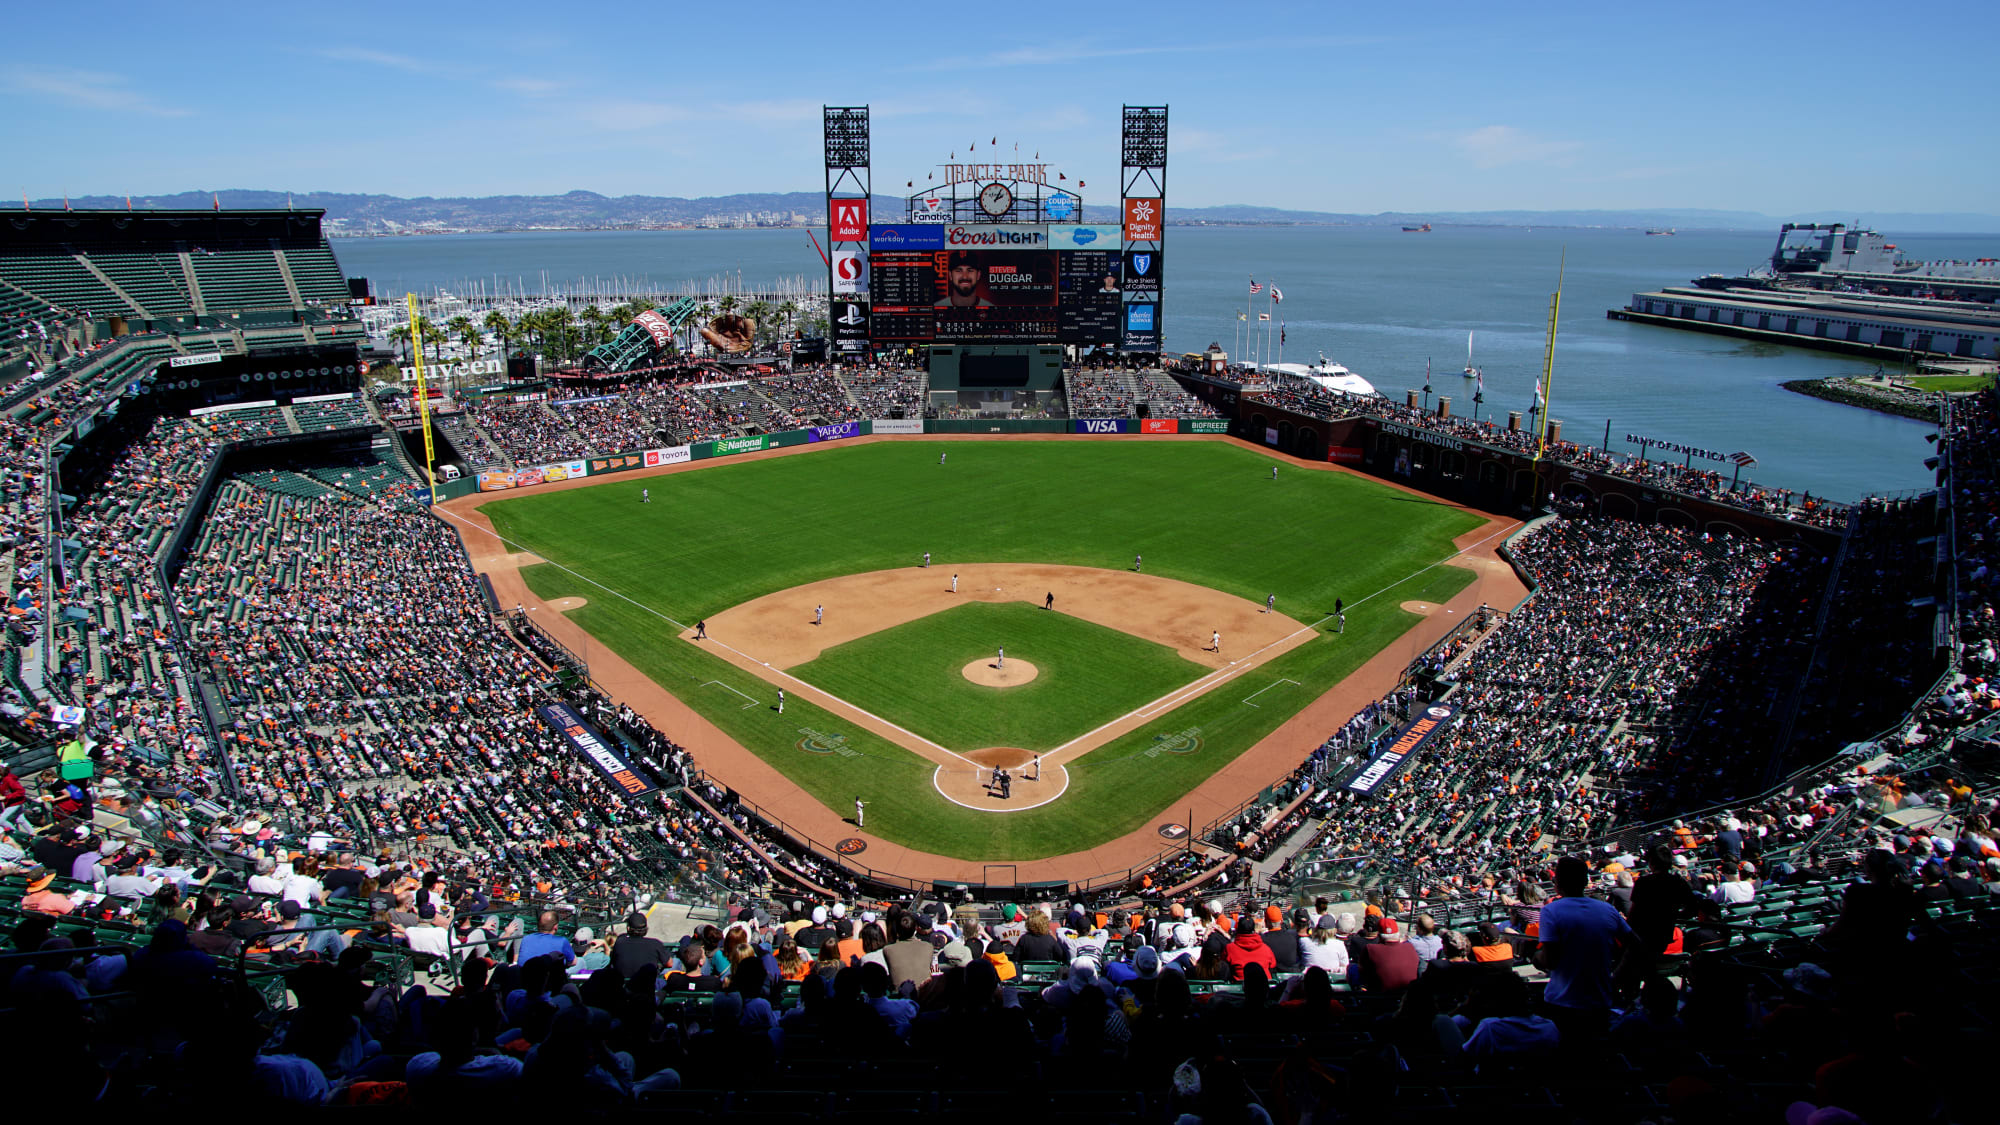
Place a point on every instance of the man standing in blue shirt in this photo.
(545, 941)
(1580, 937)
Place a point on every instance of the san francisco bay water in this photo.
(1381, 301)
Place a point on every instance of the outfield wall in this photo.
(503, 480)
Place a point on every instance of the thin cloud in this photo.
(377, 58)
(91, 89)
(1061, 54)
(533, 87)
(1494, 146)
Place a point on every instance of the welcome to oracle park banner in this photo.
(1396, 753)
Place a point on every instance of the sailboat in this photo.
(1471, 372)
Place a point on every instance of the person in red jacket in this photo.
(1248, 947)
(13, 803)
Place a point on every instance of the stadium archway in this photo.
(1618, 506)
(1574, 492)
(1675, 517)
(1259, 426)
(1717, 527)
(1308, 444)
(1285, 431)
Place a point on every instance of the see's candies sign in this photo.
(1143, 220)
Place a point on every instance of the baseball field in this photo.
(809, 573)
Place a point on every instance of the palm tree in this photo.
(435, 338)
(759, 314)
(789, 314)
(496, 323)
(401, 336)
(466, 333)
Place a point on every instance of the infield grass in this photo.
(1087, 675)
(1202, 512)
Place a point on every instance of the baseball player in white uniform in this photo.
(819, 615)
(954, 583)
(1215, 642)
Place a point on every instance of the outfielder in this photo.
(1274, 472)
(781, 701)
(645, 496)
(927, 558)
(819, 615)
(940, 458)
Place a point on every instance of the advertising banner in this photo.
(1142, 327)
(563, 719)
(564, 470)
(672, 455)
(195, 360)
(1159, 426)
(896, 426)
(1270, 435)
(929, 209)
(1085, 238)
(1205, 426)
(1059, 207)
(493, 480)
(849, 220)
(850, 271)
(656, 326)
(1396, 752)
(997, 236)
(726, 446)
(850, 319)
(525, 477)
(926, 236)
(619, 463)
(1103, 425)
(1143, 220)
(834, 432)
(1345, 454)
(1142, 271)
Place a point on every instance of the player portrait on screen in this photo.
(964, 275)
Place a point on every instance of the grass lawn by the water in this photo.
(1087, 675)
(1202, 512)
(1950, 383)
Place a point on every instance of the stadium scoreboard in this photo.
(999, 283)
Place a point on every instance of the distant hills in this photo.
(381, 214)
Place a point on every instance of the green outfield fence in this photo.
(597, 465)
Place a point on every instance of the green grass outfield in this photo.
(1203, 512)
(1086, 676)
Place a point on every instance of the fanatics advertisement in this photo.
(1396, 752)
(564, 720)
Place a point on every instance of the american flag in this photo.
(1255, 288)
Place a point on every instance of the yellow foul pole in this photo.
(1548, 383)
(423, 398)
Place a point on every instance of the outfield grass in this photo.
(1202, 512)
(1087, 675)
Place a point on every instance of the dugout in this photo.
(995, 379)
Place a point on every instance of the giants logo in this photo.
(850, 220)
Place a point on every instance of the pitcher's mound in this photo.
(564, 605)
(986, 674)
(1425, 608)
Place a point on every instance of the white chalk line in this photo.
(1267, 687)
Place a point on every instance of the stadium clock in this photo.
(995, 199)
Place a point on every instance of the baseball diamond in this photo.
(753, 545)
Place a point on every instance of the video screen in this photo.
(994, 295)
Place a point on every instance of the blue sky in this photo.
(1767, 107)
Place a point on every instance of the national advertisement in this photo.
(834, 432)
(1086, 238)
(1103, 425)
(906, 236)
(896, 426)
(1159, 426)
(752, 444)
(564, 720)
(1396, 752)
(1142, 271)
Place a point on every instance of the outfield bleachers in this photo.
(332, 414)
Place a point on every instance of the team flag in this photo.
(1263, 316)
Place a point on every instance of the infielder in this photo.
(781, 701)
(954, 583)
(1270, 603)
(701, 630)
(819, 615)
(1138, 562)
(927, 558)
(1215, 642)
(1342, 623)
(1050, 601)
(1001, 660)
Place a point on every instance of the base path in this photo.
(736, 766)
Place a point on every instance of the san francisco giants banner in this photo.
(1397, 752)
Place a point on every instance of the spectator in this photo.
(1578, 942)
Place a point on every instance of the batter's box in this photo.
(726, 687)
(1265, 688)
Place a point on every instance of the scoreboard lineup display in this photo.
(995, 283)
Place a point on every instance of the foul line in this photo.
(726, 687)
(1267, 687)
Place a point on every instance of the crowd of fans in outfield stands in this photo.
(1307, 397)
(395, 775)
